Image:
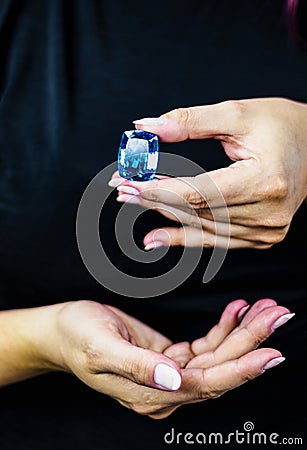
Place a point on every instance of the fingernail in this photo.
(153, 245)
(283, 319)
(128, 190)
(125, 198)
(167, 377)
(242, 311)
(115, 182)
(273, 362)
(149, 121)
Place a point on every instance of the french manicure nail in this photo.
(125, 198)
(128, 190)
(149, 121)
(115, 182)
(242, 311)
(167, 377)
(153, 245)
(273, 362)
(283, 319)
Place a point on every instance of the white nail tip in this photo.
(167, 377)
(115, 182)
(242, 311)
(153, 245)
(274, 362)
(128, 190)
(149, 121)
(283, 319)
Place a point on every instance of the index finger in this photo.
(196, 122)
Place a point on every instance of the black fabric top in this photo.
(74, 75)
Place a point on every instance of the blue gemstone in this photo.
(138, 155)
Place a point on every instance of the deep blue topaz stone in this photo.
(138, 155)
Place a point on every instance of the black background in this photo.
(74, 75)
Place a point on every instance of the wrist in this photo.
(44, 338)
(29, 343)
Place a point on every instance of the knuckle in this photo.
(91, 359)
(196, 199)
(148, 406)
(150, 194)
(256, 337)
(183, 116)
(277, 187)
(180, 115)
(273, 236)
(212, 394)
(280, 187)
(236, 108)
(243, 373)
(135, 369)
(205, 390)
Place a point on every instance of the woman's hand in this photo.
(119, 356)
(212, 365)
(263, 188)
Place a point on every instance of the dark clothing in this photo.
(74, 75)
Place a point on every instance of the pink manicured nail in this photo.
(127, 190)
(242, 311)
(283, 319)
(273, 362)
(153, 245)
(126, 198)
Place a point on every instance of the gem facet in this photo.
(138, 155)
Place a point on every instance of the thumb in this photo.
(197, 122)
(145, 367)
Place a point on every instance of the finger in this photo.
(228, 321)
(181, 353)
(255, 236)
(217, 233)
(236, 315)
(255, 309)
(226, 186)
(244, 339)
(170, 191)
(198, 122)
(141, 399)
(143, 366)
(117, 180)
(216, 221)
(216, 380)
(192, 237)
(197, 384)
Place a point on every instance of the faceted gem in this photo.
(138, 155)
